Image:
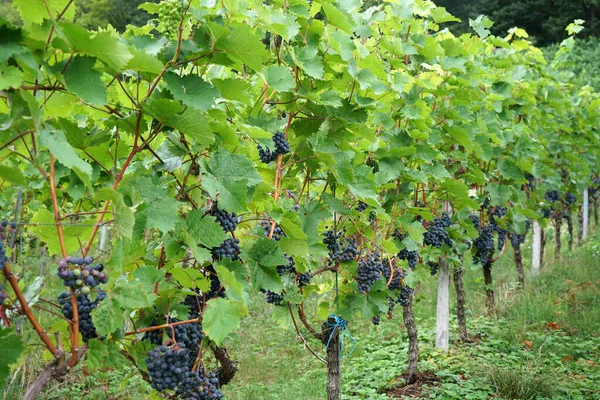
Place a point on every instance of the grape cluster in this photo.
(84, 308)
(389, 265)
(530, 180)
(340, 249)
(3, 295)
(228, 249)
(570, 198)
(79, 273)
(228, 221)
(433, 267)
(546, 213)
(3, 257)
(304, 279)
(168, 367)
(281, 144)
(289, 267)
(437, 234)
(154, 336)
(369, 270)
(361, 206)
(169, 17)
(484, 244)
(190, 335)
(412, 256)
(273, 298)
(6, 228)
(195, 304)
(278, 232)
(552, 196)
(197, 386)
(404, 296)
(216, 289)
(376, 320)
(516, 238)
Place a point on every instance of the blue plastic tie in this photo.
(340, 323)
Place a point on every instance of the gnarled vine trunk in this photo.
(543, 248)
(557, 238)
(331, 338)
(580, 225)
(460, 303)
(490, 302)
(227, 367)
(570, 230)
(519, 264)
(413, 341)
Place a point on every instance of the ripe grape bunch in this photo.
(198, 386)
(387, 267)
(228, 221)
(304, 279)
(484, 244)
(516, 238)
(190, 335)
(361, 206)
(84, 309)
(570, 198)
(289, 267)
(79, 273)
(230, 248)
(437, 234)
(273, 298)
(369, 270)
(281, 144)
(168, 367)
(552, 196)
(340, 249)
(6, 228)
(3, 295)
(169, 17)
(278, 232)
(412, 256)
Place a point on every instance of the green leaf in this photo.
(266, 253)
(440, 15)
(103, 354)
(144, 62)
(35, 11)
(108, 316)
(84, 81)
(12, 347)
(279, 78)
(222, 317)
(55, 141)
(229, 281)
(243, 47)
(12, 175)
(10, 77)
(190, 278)
(509, 170)
(105, 46)
(231, 193)
(234, 89)
(192, 90)
(337, 18)
(481, 25)
(205, 228)
(306, 58)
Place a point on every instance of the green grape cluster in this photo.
(169, 17)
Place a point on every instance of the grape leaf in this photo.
(84, 81)
(12, 347)
(222, 317)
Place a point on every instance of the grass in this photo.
(544, 344)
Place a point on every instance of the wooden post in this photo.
(331, 337)
(442, 328)
(536, 257)
(586, 213)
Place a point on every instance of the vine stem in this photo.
(154, 328)
(25, 307)
(302, 337)
(118, 179)
(74, 337)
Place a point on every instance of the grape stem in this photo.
(25, 307)
(153, 328)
